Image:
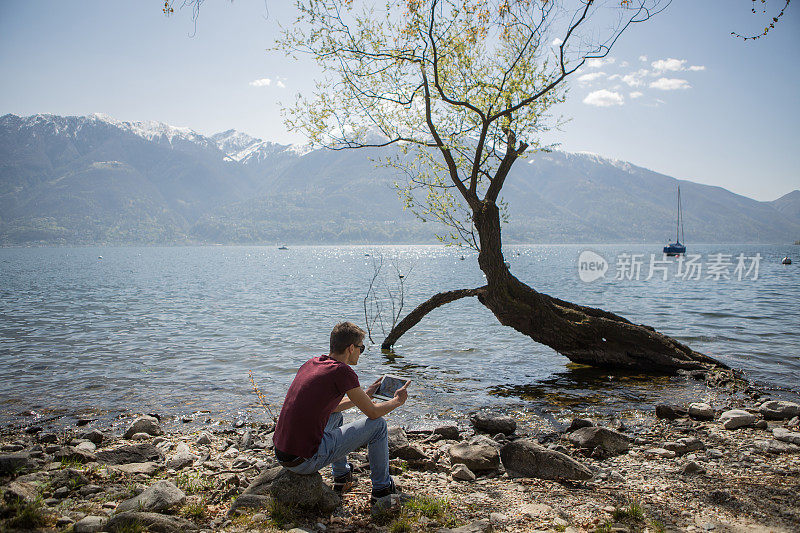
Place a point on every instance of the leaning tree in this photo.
(464, 89)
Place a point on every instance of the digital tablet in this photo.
(389, 385)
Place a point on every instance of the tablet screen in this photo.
(389, 385)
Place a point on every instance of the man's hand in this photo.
(374, 387)
(401, 394)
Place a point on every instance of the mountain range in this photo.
(97, 180)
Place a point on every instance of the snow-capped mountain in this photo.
(97, 179)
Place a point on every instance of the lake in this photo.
(101, 331)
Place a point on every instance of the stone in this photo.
(250, 501)
(13, 462)
(397, 440)
(736, 418)
(64, 521)
(18, 491)
(526, 458)
(784, 435)
(692, 468)
(149, 468)
(135, 453)
(86, 446)
(144, 424)
(61, 492)
(492, 423)
(141, 436)
(449, 432)
(610, 441)
(779, 410)
(536, 510)
(160, 496)
(68, 478)
(47, 438)
(479, 526)
(761, 424)
(156, 522)
(660, 452)
(12, 447)
(477, 455)
(90, 524)
(497, 519)
(411, 452)
(74, 455)
(181, 457)
(263, 481)
(578, 423)
(88, 490)
(203, 439)
(776, 446)
(246, 442)
(461, 472)
(94, 436)
(308, 492)
(701, 411)
(794, 422)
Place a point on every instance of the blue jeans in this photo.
(339, 440)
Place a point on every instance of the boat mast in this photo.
(680, 214)
(678, 221)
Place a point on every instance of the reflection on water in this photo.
(176, 330)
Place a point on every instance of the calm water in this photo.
(176, 330)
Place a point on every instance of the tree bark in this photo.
(582, 334)
(437, 300)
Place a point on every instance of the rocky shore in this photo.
(729, 462)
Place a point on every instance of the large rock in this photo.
(477, 455)
(670, 412)
(480, 526)
(13, 462)
(610, 441)
(776, 446)
(737, 418)
(262, 482)
(90, 524)
(448, 432)
(181, 457)
(250, 501)
(578, 423)
(94, 436)
(19, 492)
(412, 452)
(74, 455)
(526, 458)
(460, 471)
(144, 424)
(397, 440)
(308, 492)
(68, 477)
(493, 424)
(779, 410)
(149, 468)
(784, 435)
(701, 411)
(158, 523)
(135, 453)
(160, 496)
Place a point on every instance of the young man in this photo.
(310, 434)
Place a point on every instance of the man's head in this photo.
(347, 341)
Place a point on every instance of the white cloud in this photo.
(599, 62)
(642, 58)
(636, 94)
(604, 98)
(557, 42)
(614, 77)
(280, 84)
(592, 76)
(263, 82)
(696, 68)
(634, 79)
(623, 64)
(670, 84)
(671, 64)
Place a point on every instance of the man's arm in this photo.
(376, 410)
(347, 403)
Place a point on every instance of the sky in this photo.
(679, 95)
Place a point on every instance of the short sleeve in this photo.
(346, 379)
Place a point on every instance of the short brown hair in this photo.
(344, 334)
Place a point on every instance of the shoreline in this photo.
(668, 471)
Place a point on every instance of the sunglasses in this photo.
(361, 348)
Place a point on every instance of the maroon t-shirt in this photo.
(317, 389)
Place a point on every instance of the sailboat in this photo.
(677, 248)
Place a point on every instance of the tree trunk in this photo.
(583, 334)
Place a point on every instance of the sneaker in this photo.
(345, 482)
(391, 490)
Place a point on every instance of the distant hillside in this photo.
(94, 179)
